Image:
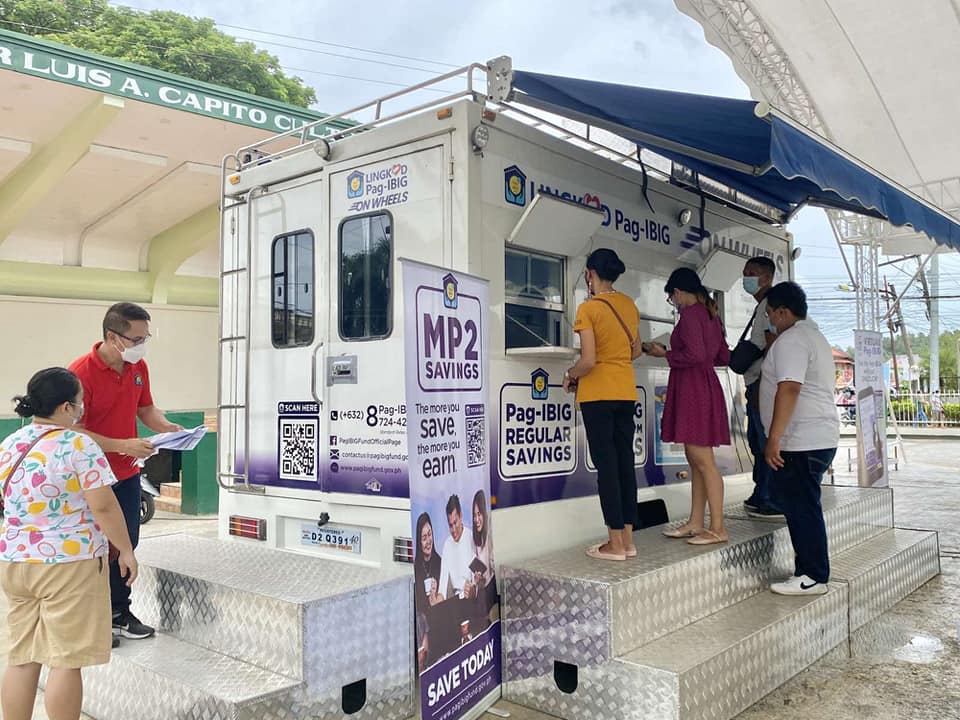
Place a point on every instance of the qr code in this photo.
(298, 449)
(476, 441)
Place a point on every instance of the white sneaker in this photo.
(802, 585)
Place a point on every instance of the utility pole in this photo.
(903, 334)
(893, 339)
(933, 300)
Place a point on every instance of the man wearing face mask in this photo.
(116, 391)
(757, 280)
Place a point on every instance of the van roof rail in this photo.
(497, 74)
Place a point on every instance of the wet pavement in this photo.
(915, 676)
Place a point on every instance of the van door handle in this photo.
(313, 374)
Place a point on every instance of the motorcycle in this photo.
(147, 505)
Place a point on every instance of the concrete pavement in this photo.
(883, 686)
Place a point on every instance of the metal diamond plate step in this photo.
(884, 570)
(709, 670)
(588, 611)
(852, 514)
(174, 679)
(284, 612)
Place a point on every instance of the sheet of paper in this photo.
(180, 440)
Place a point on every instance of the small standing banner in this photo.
(871, 409)
(455, 589)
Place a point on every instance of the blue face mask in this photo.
(771, 328)
(751, 285)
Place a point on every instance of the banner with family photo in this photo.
(455, 590)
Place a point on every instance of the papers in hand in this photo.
(179, 440)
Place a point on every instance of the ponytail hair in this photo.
(705, 299)
(47, 390)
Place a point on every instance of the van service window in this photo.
(533, 287)
(292, 306)
(366, 277)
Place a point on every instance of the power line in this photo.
(311, 40)
(247, 63)
(337, 55)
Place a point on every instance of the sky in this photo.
(340, 48)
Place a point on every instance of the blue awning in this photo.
(762, 154)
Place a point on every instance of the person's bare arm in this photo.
(106, 511)
(154, 418)
(134, 447)
(588, 358)
(784, 404)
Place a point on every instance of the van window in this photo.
(293, 291)
(366, 277)
(533, 285)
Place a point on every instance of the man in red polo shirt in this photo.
(116, 392)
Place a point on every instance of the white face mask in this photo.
(80, 410)
(751, 285)
(134, 354)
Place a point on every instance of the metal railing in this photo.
(912, 410)
(926, 409)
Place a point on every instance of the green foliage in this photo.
(162, 40)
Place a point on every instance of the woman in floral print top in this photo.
(59, 509)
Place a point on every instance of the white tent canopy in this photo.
(876, 77)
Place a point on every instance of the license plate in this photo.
(336, 538)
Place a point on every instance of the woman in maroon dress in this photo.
(695, 412)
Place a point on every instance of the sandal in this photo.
(707, 537)
(595, 552)
(679, 532)
(631, 552)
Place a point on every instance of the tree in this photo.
(163, 40)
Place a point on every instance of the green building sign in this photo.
(53, 61)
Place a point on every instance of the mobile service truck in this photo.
(312, 416)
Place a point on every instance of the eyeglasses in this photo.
(136, 341)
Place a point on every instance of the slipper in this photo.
(594, 552)
(707, 537)
(632, 552)
(679, 533)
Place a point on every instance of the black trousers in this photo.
(796, 488)
(609, 426)
(128, 495)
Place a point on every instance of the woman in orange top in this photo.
(609, 327)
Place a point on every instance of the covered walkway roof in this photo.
(110, 174)
(877, 77)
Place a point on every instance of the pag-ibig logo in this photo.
(355, 184)
(539, 384)
(450, 291)
(514, 186)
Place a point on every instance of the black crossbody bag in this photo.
(745, 353)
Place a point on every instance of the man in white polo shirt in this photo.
(796, 405)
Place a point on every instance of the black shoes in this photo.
(127, 625)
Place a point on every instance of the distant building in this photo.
(843, 367)
(907, 373)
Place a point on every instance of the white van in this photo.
(312, 424)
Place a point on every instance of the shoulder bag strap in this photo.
(746, 330)
(619, 319)
(16, 465)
